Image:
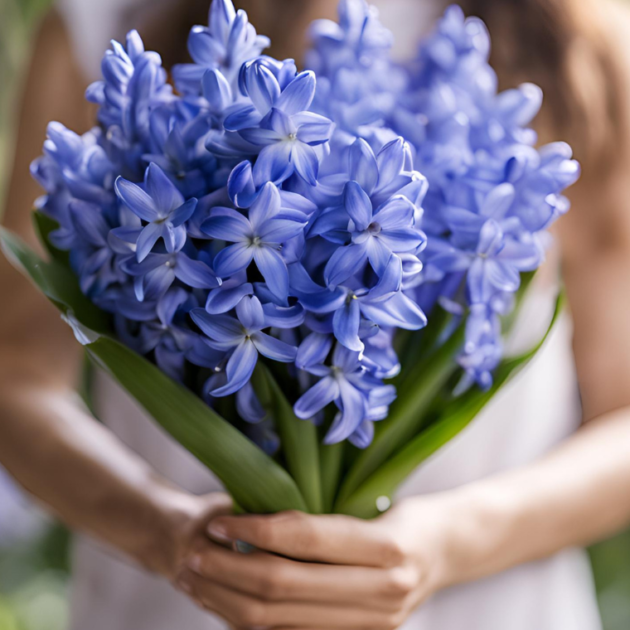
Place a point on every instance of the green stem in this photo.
(331, 460)
(298, 438)
(406, 415)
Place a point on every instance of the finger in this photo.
(245, 611)
(274, 578)
(333, 538)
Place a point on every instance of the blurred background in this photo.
(34, 549)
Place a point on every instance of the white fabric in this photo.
(531, 415)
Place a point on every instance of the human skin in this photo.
(359, 574)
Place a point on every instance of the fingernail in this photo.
(218, 532)
(243, 547)
(194, 564)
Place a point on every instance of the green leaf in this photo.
(57, 282)
(255, 481)
(298, 437)
(330, 463)
(44, 225)
(385, 481)
(406, 415)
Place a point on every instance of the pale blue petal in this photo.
(313, 350)
(357, 205)
(273, 164)
(273, 348)
(248, 405)
(266, 206)
(229, 226)
(316, 398)
(298, 95)
(183, 213)
(344, 263)
(136, 200)
(239, 369)
(353, 409)
(283, 316)
(250, 313)
(260, 137)
(162, 190)
(195, 273)
(362, 165)
(281, 124)
(148, 238)
(222, 300)
(280, 230)
(216, 90)
(346, 326)
(305, 161)
(274, 270)
(233, 259)
(218, 327)
(312, 128)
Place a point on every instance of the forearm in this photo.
(574, 496)
(74, 465)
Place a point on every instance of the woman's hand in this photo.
(321, 571)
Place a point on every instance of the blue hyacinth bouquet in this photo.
(304, 277)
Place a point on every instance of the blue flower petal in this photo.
(313, 350)
(250, 313)
(357, 205)
(138, 201)
(248, 405)
(195, 273)
(345, 262)
(316, 398)
(273, 348)
(305, 161)
(233, 259)
(218, 327)
(147, 238)
(298, 95)
(162, 190)
(229, 225)
(346, 322)
(223, 299)
(239, 369)
(216, 91)
(362, 165)
(273, 270)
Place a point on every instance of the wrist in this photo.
(171, 521)
(475, 523)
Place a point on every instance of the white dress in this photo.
(531, 415)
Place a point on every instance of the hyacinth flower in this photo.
(95, 261)
(225, 44)
(352, 389)
(134, 83)
(155, 274)
(279, 124)
(243, 337)
(163, 208)
(374, 234)
(257, 237)
(169, 342)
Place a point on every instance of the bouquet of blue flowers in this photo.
(304, 277)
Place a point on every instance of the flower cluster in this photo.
(206, 224)
(492, 195)
(266, 212)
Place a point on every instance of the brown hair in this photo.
(565, 47)
(561, 45)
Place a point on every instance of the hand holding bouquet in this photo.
(304, 277)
